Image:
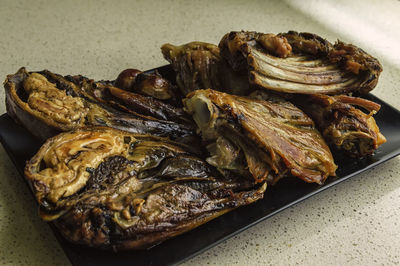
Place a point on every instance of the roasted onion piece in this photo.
(342, 125)
(300, 63)
(262, 140)
(198, 65)
(47, 103)
(112, 189)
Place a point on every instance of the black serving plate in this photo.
(21, 145)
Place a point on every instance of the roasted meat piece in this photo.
(47, 103)
(342, 125)
(300, 63)
(260, 139)
(198, 65)
(107, 188)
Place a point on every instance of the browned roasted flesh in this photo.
(107, 188)
(260, 139)
(198, 65)
(47, 103)
(342, 125)
(300, 63)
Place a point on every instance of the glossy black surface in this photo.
(21, 145)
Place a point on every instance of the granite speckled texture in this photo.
(356, 222)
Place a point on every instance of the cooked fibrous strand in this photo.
(112, 189)
(260, 139)
(47, 103)
(198, 65)
(292, 72)
(342, 125)
(300, 63)
(291, 87)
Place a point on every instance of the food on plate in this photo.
(130, 102)
(128, 170)
(47, 103)
(342, 125)
(198, 65)
(300, 63)
(260, 139)
(108, 188)
(148, 84)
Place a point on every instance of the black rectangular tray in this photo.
(21, 145)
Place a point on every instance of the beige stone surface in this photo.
(355, 223)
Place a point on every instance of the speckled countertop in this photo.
(356, 222)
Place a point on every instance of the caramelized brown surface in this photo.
(123, 189)
(108, 188)
(300, 63)
(342, 125)
(198, 65)
(276, 137)
(47, 103)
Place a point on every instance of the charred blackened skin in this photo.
(128, 191)
(303, 63)
(106, 171)
(51, 104)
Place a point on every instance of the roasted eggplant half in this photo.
(108, 188)
(260, 139)
(303, 63)
(47, 103)
(342, 125)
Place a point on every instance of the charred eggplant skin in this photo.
(47, 103)
(107, 188)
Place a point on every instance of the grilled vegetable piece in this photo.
(342, 125)
(129, 102)
(47, 103)
(146, 84)
(107, 188)
(198, 65)
(300, 63)
(263, 140)
(127, 78)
